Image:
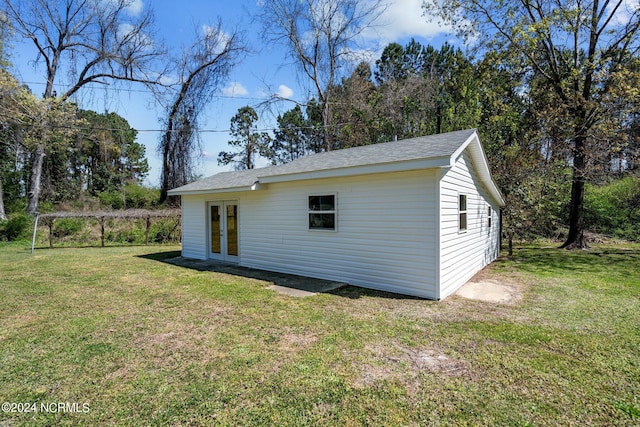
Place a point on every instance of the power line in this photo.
(249, 98)
(244, 98)
(92, 87)
(94, 129)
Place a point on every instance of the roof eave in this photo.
(253, 187)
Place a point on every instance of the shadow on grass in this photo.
(160, 256)
(285, 280)
(355, 292)
(90, 246)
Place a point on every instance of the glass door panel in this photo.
(216, 230)
(232, 229)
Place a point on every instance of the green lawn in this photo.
(134, 341)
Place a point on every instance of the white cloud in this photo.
(208, 29)
(285, 91)
(168, 80)
(131, 7)
(134, 7)
(216, 39)
(234, 89)
(404, 18)
(216, 33)
(129, 32)
(625, 11)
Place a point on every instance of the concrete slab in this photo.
(292, 292)
(488, 290)
(288, 284)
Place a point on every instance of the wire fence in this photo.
(131, 226)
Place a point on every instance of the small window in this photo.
(462, 212)
(322, 212)
(489, 216)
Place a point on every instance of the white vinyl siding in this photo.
(385, 240)
(464, 254)
(194, 227)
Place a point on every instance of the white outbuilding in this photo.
(418, 216)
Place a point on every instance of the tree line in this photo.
(552, 88)
(416, 90)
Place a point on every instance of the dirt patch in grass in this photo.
(372, 374)
(396, 362)
(164, 343)
(294, 341)
(285, 345)
(431, 360)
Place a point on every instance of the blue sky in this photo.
(262, 72)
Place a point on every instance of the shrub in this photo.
(137, 196)
(127, 236)
(614, 208)
(67, 226)
(132, 196)
(111, 199)
(16, 228)
(164, 231)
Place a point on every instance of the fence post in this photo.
(510, 234)
(102, 231)
(146, 234)
(51, 232)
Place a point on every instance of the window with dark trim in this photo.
(489, 216)
(462, 212)
(322, 212)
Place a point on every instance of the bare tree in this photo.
(202, 68)
(85, 42)
(321, 37)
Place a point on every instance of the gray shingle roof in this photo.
(424, 147)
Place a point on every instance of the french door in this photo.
(223, 226)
